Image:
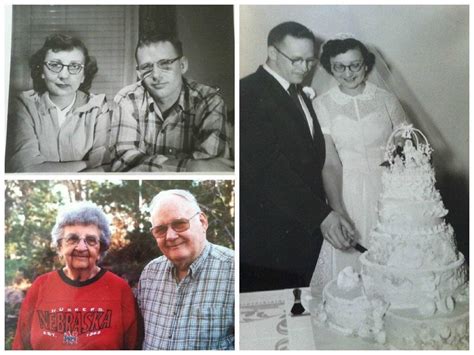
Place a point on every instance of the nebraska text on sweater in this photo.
(75, 321)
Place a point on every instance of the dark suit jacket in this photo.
(281, 190)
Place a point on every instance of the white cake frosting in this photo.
(347, 309)
(412, 265)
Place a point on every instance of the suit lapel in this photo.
(283, 100)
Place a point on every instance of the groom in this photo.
(284, 214)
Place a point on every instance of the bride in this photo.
(356, 118)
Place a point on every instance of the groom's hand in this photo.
(338, 231)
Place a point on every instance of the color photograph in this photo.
(119, 265)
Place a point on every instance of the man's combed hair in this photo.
(146, 40)
(60, 42)
(188, 196)
(293, 29)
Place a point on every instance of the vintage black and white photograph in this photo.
(119, 264)
(132, 88)
(354, 170)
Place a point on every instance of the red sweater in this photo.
(61, 314)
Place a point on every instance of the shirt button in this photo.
(169, 336)
(170, 150)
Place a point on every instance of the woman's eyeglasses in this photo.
(74, 239)
(353, 67)
(57, 67)
(178, 225)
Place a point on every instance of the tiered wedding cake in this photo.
(412, 291)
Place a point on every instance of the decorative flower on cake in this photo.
(463, 294)
(348, 279)
(321, 314)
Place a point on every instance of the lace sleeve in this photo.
(396, 111)
(323, 115)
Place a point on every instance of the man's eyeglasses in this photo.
(178, 225)
(353, 67)
(298, 61)
(57, 67)
(164, 64)
(74, 239)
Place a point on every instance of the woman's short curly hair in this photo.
(82, 213)
(61, 42)
(335, 47)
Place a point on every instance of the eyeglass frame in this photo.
(158, 63)
(82, 66)
(347, 67)
(299, 61)
(168, 225)
(66, 239)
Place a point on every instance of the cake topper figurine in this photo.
(407, 147)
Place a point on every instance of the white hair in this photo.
(188, 196)
(82, 213)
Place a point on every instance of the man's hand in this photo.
(338, 231)
(210, 165)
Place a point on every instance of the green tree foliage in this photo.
(30, 213)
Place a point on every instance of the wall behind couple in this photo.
(111, 34)
(427, 49)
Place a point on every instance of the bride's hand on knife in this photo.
(338, 230)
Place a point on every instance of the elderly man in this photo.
(186, 296)
(165, 122)
(283, 207)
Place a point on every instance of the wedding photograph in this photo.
(85, 94)
(354, 177)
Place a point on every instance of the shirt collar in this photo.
(342, 98)
(51, 104)
(197, 264)
(283, 82)
(179, 104)
(82, 101)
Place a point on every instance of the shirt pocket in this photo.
(213, 327)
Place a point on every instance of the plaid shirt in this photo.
(194, 127)
(195, 314)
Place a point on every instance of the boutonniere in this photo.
(309, 92)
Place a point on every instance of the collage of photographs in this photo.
(235, 176)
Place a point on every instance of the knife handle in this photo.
(360, 248)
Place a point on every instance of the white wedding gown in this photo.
(359, 126)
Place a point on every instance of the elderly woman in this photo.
(59, 125)
(80, 306)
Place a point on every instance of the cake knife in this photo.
(360, 248)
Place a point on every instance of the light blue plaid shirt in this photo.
(195, 314)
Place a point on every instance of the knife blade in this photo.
(360, 248)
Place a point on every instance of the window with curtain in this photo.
(109, 32)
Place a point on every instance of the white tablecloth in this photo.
(267, 324)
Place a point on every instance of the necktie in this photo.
(294, 90)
